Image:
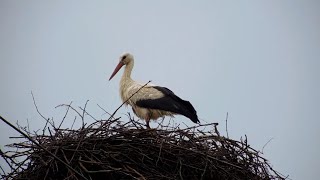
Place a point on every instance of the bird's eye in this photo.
(123, 57)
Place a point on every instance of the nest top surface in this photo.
(111, 149)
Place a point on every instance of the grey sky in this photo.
(257, 60)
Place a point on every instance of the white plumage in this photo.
(150, 102)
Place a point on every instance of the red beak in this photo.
(116, 70)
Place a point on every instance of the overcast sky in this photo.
(257, 60)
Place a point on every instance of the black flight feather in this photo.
(170, 102)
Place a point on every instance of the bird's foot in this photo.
(147, 125)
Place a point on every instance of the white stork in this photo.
(150, 102)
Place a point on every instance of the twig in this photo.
(3, 155)
(159, 155)
(44, 128)
(88, 114)
(83, 111)
(70, 107)
(227, 125)
(135, 171)
(266, 145)
(112, 115)
(37, 144)
(122, 150)
(34, 102)
(74, 120)
(106, 112)
(216, 129)
(65, 115)
(3, 172)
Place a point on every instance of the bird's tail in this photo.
(189, 111)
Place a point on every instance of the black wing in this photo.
(170, 102)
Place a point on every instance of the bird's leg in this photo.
(149, 115)
(147, 123)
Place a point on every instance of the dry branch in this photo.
(111, 149)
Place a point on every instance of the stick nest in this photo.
(112, 149)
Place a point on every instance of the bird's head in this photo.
(125, 59)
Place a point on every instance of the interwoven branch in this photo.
(112, 149)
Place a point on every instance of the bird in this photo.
(150, 102)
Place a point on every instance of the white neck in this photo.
(128, 70)
(126, 80)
